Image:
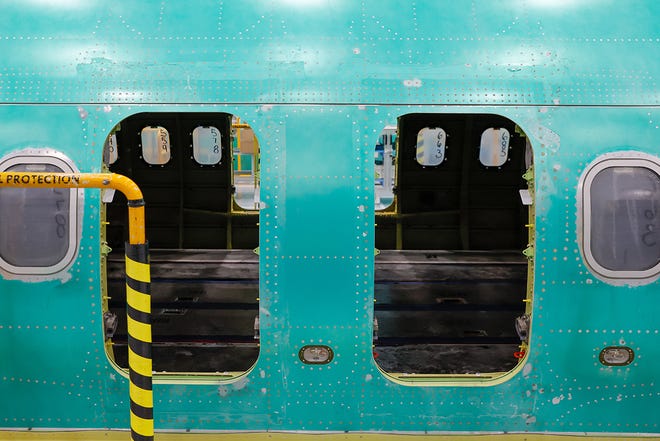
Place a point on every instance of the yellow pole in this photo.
(138, 283)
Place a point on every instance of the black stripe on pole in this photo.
(140, 380)
(138, 316)
(137, 437)
(146, 413)
(139, 347)
(138, 252)
(136, 285)
(136, 203)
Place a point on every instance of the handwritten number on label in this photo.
(504, 144)
(163, 140)
(214, 135)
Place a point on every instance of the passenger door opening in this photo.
(204, 267)
(452, 285)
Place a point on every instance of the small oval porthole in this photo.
(207, 145)
(494, 147)
(39, 227)
(316, 354)
(618, 196)
(110, 153)
(431, 146)
(616, 356)
(155, 145)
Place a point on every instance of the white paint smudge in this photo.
(415, 82)
(240, 384)
(527, 369)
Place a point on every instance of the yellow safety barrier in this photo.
(138, 283)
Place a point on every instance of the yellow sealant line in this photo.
(138, 282)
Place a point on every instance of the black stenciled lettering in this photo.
(25, 179)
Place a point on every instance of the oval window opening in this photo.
(39, 227)
(619, 218)
(431, 146)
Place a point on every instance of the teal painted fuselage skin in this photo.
(317, 81)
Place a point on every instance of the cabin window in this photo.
(204, 268)
(110, 154)
(155, 145)
(451, 277)
(620, 218)
(207, 145)
(494, 147)
(431, 145)
(38, 226)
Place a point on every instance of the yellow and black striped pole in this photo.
(138, 281)
(138, 311)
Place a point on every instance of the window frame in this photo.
(61, 161)
(584, 216)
